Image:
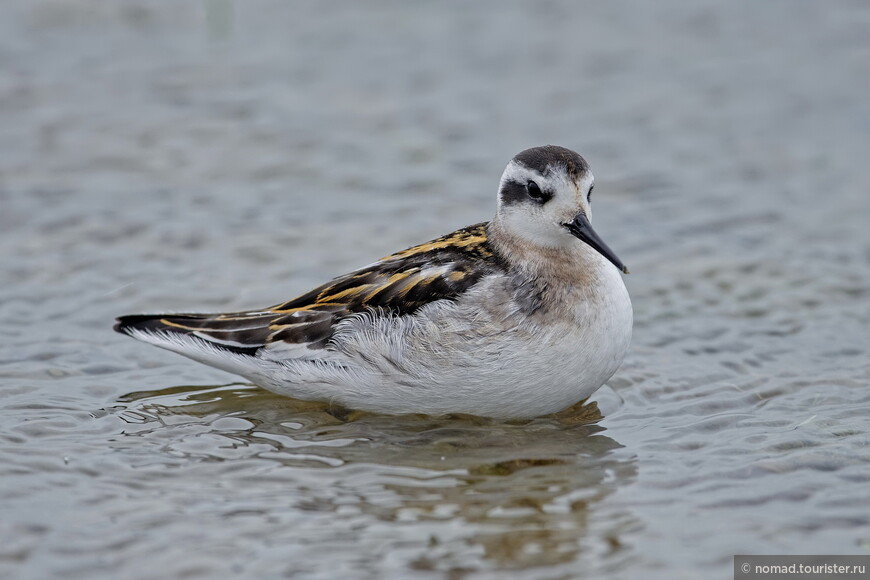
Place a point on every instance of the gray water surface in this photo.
(217, 156)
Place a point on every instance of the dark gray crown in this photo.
(542, 158)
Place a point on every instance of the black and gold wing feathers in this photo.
(400, 284)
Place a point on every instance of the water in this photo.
(221, 155)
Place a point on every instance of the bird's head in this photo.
(545, 199)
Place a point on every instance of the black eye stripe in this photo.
(516, 192)
(513, 192)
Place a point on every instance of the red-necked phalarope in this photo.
(518, 317)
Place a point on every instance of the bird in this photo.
(515, 318)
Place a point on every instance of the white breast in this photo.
(522, 366)
(481, 355)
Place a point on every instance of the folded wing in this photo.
(400, 284)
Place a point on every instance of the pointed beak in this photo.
(582, 229)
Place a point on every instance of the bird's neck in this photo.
(572, 264)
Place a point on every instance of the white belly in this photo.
(479, 356)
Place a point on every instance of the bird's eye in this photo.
(589, 195)
(536, 193)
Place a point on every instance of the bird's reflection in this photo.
(519, 491)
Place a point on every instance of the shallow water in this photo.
(218, 156)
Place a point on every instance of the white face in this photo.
(541, 219)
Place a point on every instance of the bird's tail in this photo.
(226, 341)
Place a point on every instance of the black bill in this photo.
(581, 228)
